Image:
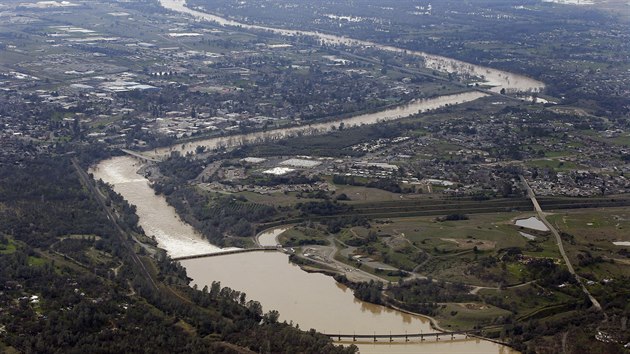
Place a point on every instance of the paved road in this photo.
(542, 216)
(327, 255)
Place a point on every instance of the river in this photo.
(310, 300)
(498, 79)
(416, 106)
(269, 238)
(157, 218)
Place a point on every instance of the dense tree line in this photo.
(421, 295)
(219, 216)
(323, 208)
(181, 168)
(69, 287)
(43, 201)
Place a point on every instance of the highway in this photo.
(541, 216)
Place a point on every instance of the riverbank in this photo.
(399, 112)
(498, 79)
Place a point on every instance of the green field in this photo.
(8, 248)
(590, 246)
(466, 251)
(462, 316)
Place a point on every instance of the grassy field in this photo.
(600, 226)
(365, 194)
(299, 235)
(36, 261)
(487, 231)
(525, 300)
(590, 246)
(461, 316)
(8, 248)
(466, 251)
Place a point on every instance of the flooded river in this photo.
(310, 300)
(497, 78)
(316, 301)
(157, 218)
(417, 106)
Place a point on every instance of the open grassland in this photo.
(527, 301)
(462, 316)
(8, 247)
(486, 231)
(588, 236)
(467, 251)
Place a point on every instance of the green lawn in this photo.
(8, 248)
(454, 250)
(36, 261)
(464, 316)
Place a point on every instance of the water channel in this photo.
(417, 106)
(532, 223)
(308, 299)
(497, 78)
(269, 238)
(156, 217)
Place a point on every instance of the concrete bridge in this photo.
(240, 250)
(140, 156)
(423, 336)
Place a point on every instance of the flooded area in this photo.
(269, 238)
(527, 236)
(443, 347)
(308, 299)
(498, 79)
(532, 223)
(311, 300)
(417, 106)
(571, 2)
(314, 300)
(157, 218)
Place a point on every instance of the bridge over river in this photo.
(226, 252)
(423, 336)
(140, 156)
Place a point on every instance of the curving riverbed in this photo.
(498, 79)
(415, 107)
(310, 300)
